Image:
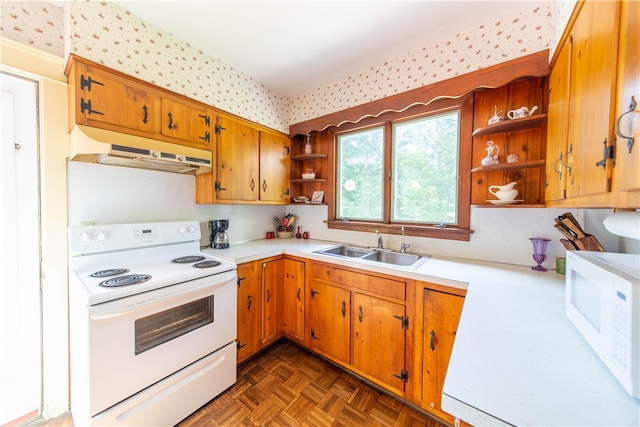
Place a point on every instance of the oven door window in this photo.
(159, 328)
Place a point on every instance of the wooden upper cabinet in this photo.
(111, 101)
(591, 97)
(187, 122)
(237, 172)
(627, 170)
(557, 168)
(274, 167)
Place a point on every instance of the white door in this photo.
(19, 251)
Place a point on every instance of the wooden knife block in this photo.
(588, 243)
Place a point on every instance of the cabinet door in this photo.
(293, 298)
(186, 122)
(271, 277)
(238, 146)
(103, 99)
(593, 68)
(274, 167)
(558, 125)
(329, 320)
(376, 323)
(627, 169)
(249, 310)
(441, 316)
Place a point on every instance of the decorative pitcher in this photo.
(492, 154)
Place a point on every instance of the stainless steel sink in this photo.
(395, 258)
(347, 251)
(369, 255)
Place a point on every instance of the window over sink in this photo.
(405, 169)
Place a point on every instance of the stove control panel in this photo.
(101, 238)
(146, 233)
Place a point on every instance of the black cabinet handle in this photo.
(360, 314)
(170, 121)
(432, 344)
(344, 308)
(253, 185)
(268, 295)
(298, 294)
(249, 302)
(146, 114)
(264, 185)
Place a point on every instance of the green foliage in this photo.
(424, 184)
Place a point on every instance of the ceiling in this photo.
(293, 47)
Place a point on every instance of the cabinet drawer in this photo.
(373, 284)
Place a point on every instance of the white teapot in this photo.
(521, 112)
(504, 192)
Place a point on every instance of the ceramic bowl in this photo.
(285, 234)
(308, 176)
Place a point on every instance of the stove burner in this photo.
(188, 259)
(130, 279)
(207, 264)
(109, 272)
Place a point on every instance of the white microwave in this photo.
(603, 302)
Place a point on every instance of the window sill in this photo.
(436, 232)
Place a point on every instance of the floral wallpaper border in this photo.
(106, 33)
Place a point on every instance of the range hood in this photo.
(89, 144)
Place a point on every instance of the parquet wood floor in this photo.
(287, 386)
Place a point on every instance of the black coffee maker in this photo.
(219, 239)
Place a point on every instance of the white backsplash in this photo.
(109, 194)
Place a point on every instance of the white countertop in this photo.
(517, 359)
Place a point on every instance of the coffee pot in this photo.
(219, 239)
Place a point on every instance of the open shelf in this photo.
(303, 157)
(509, 166)
(511, 125)
(308, 180)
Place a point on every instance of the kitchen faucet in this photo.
(380, 245)
(404, 247)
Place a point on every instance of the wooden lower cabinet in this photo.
(293, 299)
(330, 320)
(379, 340)
(249, 310)
(271, 280)
(394, 332)
(359, 321)
(440, 316)
(259, 284)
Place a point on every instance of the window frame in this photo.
(461, 231)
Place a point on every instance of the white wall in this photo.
(110, 194)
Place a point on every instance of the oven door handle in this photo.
(103, 311)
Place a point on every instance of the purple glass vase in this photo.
(539, 247)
